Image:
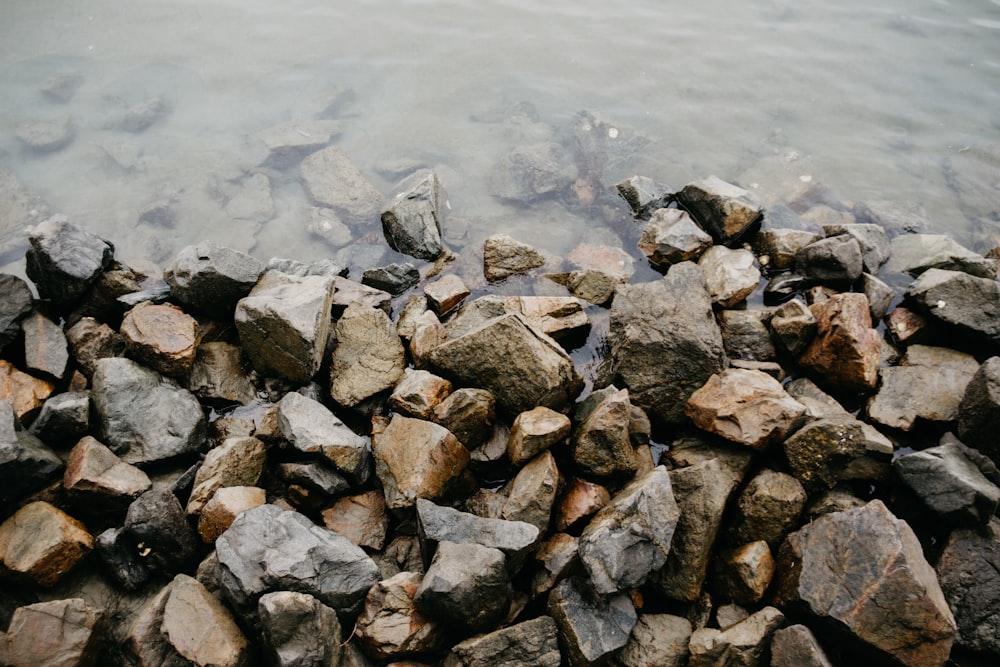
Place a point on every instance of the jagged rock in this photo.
(225, 505)
(391, 626)
(819, 404)
(796, 646)
(872, 240)
(444, 524)
(531, 172)
(284, 322)
(361, 518)
(64, 259)
(162, 337)
(591, 628)
(416, 459)
(659, 640)
(643, 195)
(142, 416)
(721, 209)
(393, 278)
(402, 555)
(835, 260)
(348, 292)
(969, 573)
(794, 325)
(671, 236)
(311, 428)
(534, 431)
(429, 335)
(664, 341)
(40, 543)
(299, 630)
(45, 347)
(46, 135)
(23, 392)
(236, 462)
(56, 634)
(475, 314)
(979, 411)
(745, 572)
(745, 335)
(504, 257)
(561, 317)
(629, 539)
(554, 559)
(15, 302)
(967, 304)
(406, 321)
(835, 449)
(730, 274)
(846, 351)
(739, 645)
(332, 180)
(950, 484)
(120, 559)
(466, 585)
(469, 414)
(419, 393)
(313, 478)
(97, 479)
(915, 253)
(777, 248)
(880, 296)
(90, 340)
(580, 500)
(529, 644)
(411, 222)
(533, 492)
(63, 418)
(369, 356)
(218, 374)
(156, 524)
(601, 445)
(25, 462)
(445, 294)
(255, 553)
(864, 571)
(591, 285)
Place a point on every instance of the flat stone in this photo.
(45, 348)
(416, 459)
(846, 351)
(162, 337)
(90, 340)
(361, 518)
(225, 505)
(469, 414)
(466, 585)
(418, 394)
(63, 419)
(156, 524)
(446, 293)
(834, 260)
(740, 644)
(827, 451)
(40, 543)
(311, 428)
(967, 304)
(534, 431)
(411, 221)
(16, 301)
(65, 259)
(796, 646)
(671, 236)
(219, 374)
(332, 180)
(969, 573)
(723, 210)
(591, 629)
(950, 484)
(916, 253)
(730, 274)
(96, 478)
(504, 257)
(369, 357)
(444, 524)
(348, 292)
(55, 634)
(23, 392)
(391, 626)
(533, 492)
(299, 630)
(529, 644)
(979, 411)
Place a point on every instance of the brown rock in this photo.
(504, 257)
(416, 459)
(60, 633)
(418, 393)
(225, 505)
(40, 543)
(561, 317)
(740, 644)
(219, 374)
(445, 294)
(610, 260)
(534, 431)
(746, 572)
(369, 356)
(24, 392)
(769, 507)
(428, 334)
(360, 518)
(162, 337)
(596, 287)
(532, 492)
(236, 462)
(906, 326)
(796, 646)
(469, 414)
(391, 626)
(45, 347)
(846, 350)
(657, 640)
(601, 445)
(581, 499)
(90, 340)
(828, 451)
(95, 477)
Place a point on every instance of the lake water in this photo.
(892, 101)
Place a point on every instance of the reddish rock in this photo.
(96, 477)
(416, 459)
(469, 414)
(227, 504)
(445, 294)
(45, 347)
(418, 393)
(60, 633)
(161, 336)
(846, 351)
(360, 518)
(581, 499)
(24, 392)
(90, 340)
(746, 572)
(40, 543)
(534, 431)
(906, 326)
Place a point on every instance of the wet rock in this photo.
(411, 221)
(185, 624)
(529, 644)
(56, 633)
(406, 320)
(418, 394)
(157, 526)
(504, 257)
(255, 552)
(46, 136)
(794, 324)
(16, 301)
(967, 304)
(63, 419)
(643, 195)
(769, 508)
(534, 431)
(210, 279)
(98, 480)
(834, 260)
(316, 478)
(90, 340)
(880, 296)
(218, 374)
(143, 417)
(393, 278)
(969, 573)
(285, 145)
(311, 428)
(444, 524)
(562, 318)
(466, 585)
(521, 367)
(846, 350)
(745, 572)
(554, 559)
(591, 628)
(745, 335)
(629, 538)
(591, 285)
(979, 411)
(120, 559)
(730, 274)
(445, 294)
(40, 543)
(332, 180)
(391, 626)
(864, 571)
(784, 286)
(369, 357)
(23, 392)
(225, 505)
(162, 337)
(664, 341)
(236, 462)
(895, 217)
(530, 173)
(671, 236)
(65, 259)
(361, 518)
(283, 324)
(25, 462)
(915, 253)
(721, 209)
(251, 200)
(475, 314)
(872, 240)
(777, 248)
(827, 451)
(45, 348)
(740, 645)
(61, 87)
(580, 499)
(533, 492)
(796, 646)
(299, 630)
(416, 459)
(348, 292)
(469, 414)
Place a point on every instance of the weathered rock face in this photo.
(778, 247)
(15, 302)
(411, 222)
(979, 411)
(25, 462)
(671, 236)
(826, 451)
(238, 461)
(218, 374)
(468, 414)
(64, 259)
(846, 350)
(601, 445)
(745, 334)
(768, 508)
(916, 253)
(157, 526)
(369, 356)
(299, 630)
(63, 419)
(745, 406)
(332, 180)
(740, 644)
(533, 492)
(56, 633)
(521, 367)
(142, 416)
(391, 626)
(445, 294)
(361, 518)
(796, 646)
(162, 337)
(444, 524)
(466, 585)
(311, 428)
(504, 257)
(721, 209)
(531, 172)
(532, 643)
(580, 499)
(744, 573)
(591, 628)
(40, 543)
(284, 322)
(99, 479)
(730, 274)
(657, 639)
(950, 484)
(90, 340)
(865, 571)
(45, 348)
(970, 305)
(224, 506)
(210, 279)
(416, 459)
(535, 431)
(872, 238)
(418, 393)
(664, 341)
(22, 391)
(643, 195)
(561, 317)
(835, 260)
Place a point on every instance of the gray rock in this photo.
(880, 296)
(979, 411)
(875, 247)
(796, 646)
(321, 267)
(629, 539)
(671, 236)
(64, 259)
(531, 172)
(63, 419)
(141, 116)
(783, 286)
(142, 416)
(45, 348)
(835, 260)
(348, 292)
(601, 445)
(970, 305)
(317, 477)
(533, 492)
(269, 549)
(643, 195)
(324, 223)
(332, 180)
(721, 209)
(312, 429)
(391, 627)
(284, 323)
(156, 524)
(210, 279)
(444, 524)
(369, 357)
(739, 645)
(504, 257)
(299, 630)
(915, 253)
(467, 586)
(794, 325)
(894, 217)
(836, 449)
(120, 559)
(949, 484)
(476, 313)
(591, 628)
(56, 633)
(25, 462)
(251, 201)
(729, 274)
(969, 573)
(411, 222)
(48, 135)
(745, 334)
(394, 278)
(532, 643)
(777, 248)
(15, 302)
(768, 508)
(664, 341)
(819, 404)
(657, 640)
(219, 375)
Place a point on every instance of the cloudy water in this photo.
(147, 116)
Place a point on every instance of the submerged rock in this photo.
(504, 257)
(65, 259)
(332, 180)
(530, 172)
(411, 222)
(916, 253)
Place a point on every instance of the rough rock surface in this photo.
(916, 253)
(237, 461)
(466, 585)
(778, 247)
(361, 518)
(745, 572)
(299, 630)
(224, 506)
(97, 478)
(970, 305)
(745, 334)
(533, 492)
(530, 172)
(846, 351)
(416, 459)
(311, 428)
(391, 626)
(156, 524)
(796, 646)
(219, 374)
(444, 524)
(768, 508)
(411, 222)
(25, 462)
(369, 356)
(529, 644)
(580, 499)
(418, 393)
(332, 180)
(950, 484)
(161, 337)
(721, 209)
(671, 236)
(444, 295)
(826, 451)
(45, 348)
(504, 257)
(22, 391)
(59, 633)
(601, 444)
(969, 573)
(534, 431)
(469, 414)
(659, 640)
(643, 195)
(730, 274)
(740, 645)
(40, 543)
(834, 260)
(979, 411)
(561, 317)
(90, 340)
(591, 628)
(63, 419)
(64, 259)
(15, 302)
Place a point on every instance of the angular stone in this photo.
(311, 428)
(629, 539)
(416, 459)
(475, 314)
(16, 301)
(745, 335)
(162, 337)
(906, 326)
(156, 523)
(90, 340)
(236, 462)
(554, 559)
(429, 334)
(591, 628)
(411, 221)
(40, 543)
(531, 172)
(969, 573)
(533, 492)
(581, 499)
(819, 404)
(97, 479)
(284, 145)
(777, 248)
(534, 431)
(916, 253)
(283, 324)
(444, 524)
(45, 347)
(979, 411)
(142, 416)
(223, 508)
(58, 633)
(63, 418)
(796, 646)
(864, 571)
(828, 451)
(591, 285)
(746, 572)
(950, 484)
(25, 462)
(219, 374)
(504, 257)
(444, 294)
(721, 209)
(332, 180)
(348, 292)
(393, 278)
(469, 414)
(313, 478)
(794, 325)
(834, 260)
(880, 296)
(120, 560)
(561, 317)
(846, 351)
(466, 585)
(730, 274)
(643, 195)
(369, 356)
(967, 304)
(872, 239)
(418, 394)
(23, 392)
(65, 259)
(657, 639)
(299, 630)
(529, 644)
(740, 645)
(609, 259)
(391, 626)
(601, 445)
(324, 223)
(361, 518)
(671, 236)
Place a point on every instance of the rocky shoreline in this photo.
(249, 463)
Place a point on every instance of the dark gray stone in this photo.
(120, 558)
(394, 278)
(591, 628)
(721, 209)
(796, 646)
(64, 418)
(970, 305)
(466, 585)
(671, 236)
(299, 630)
(880, 296)
(156, 524)
(872, 239)
(411, 222)
(64, 259)
(532, 643)
(45, 348)
(601, 445)
(794, 325)
(317, 476)
(25, 462)
(969, 572)
(979, 411)
(745, 334)
(444, 524)
(15, 302)
(776, 248)
(312, 429)
(949, 484)
(784, 286)
(643, 195)
(210, 279)
(835, 260)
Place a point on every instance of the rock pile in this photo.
(274, 464)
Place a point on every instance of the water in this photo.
(895, 101)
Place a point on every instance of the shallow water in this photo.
(896, 101)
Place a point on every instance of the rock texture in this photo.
(466, 586)
(40, 543)
(591, 629)
(416, 459)
(64, 259)
(210, 279)
(369, 356)
(299, 630)
(161, 337)
(969, 574)
(531, 643)
(504, 257)
(311, 428)
(967, 304)
(979, 411)
(723, 210)
(411, 222)
(332, 180)
(56, 634)
(845, 353)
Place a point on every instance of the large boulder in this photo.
(965, 303)
(369, 356)
(723, 210)
(311, 428)
(416, 459)
(846, 351)
(64, 259)
(210, 279)
(411, 222)
(332, 180)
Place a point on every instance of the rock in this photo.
(256, 551)
(40, 543)
(429, 335)
(63, 419)
(311, 428)
(332, 180)
(218, 374)
(979, 411)
(402, 555)
(90, 340)
(467, 586)
(393, 278)
(56, 633)
(285, 145)
(391, 626)
(46, 136)
(141, 116)
(643, 195)
(967, 304)
(777, 248)
(316, 477)
(740, 645)
(744, 406)
(411, 221)
(834, 260)
(324, 223)
(581, 499)
(657, 640)
(96, 479)
(591, 629)
(157, 526)
(251, 200)
(348, 292)
(915, 253)
(629, 539)
(520, 366)
(327, 268)
(162, 337)
(561, 317)
(880, 296)
(534, 431)
(969, 573)
(664, 341)
(369, 357)
(671, 236)
(846, 350)
(872, 239)
(445, 294)
(819, 405)
(601, 445)
(122, 562)
(45, 348)
(784, 286)
(529, 644)
(416, 459)
(504, 257)
(865, 571)
(16, 301)
(25, 462)
(950, 484)
(721, 209)
(533, 492)
(184, 624)
(468, 413)
(236, 462)
(928, 385)
(746, 572)
(796, 646)
(143, 417)
(210, 279)
(554, 558)
(531, 172)
(895, 217)
(283, 324)
(591, 285)
(444, 524)
(745, 335)
(831, 450)
(299, 630)
(64, 259)
(361, 518)
(223, 508)
(794, 325)
(23, 392)
(418, 394)
(769, 508)
(476, 313)
(730, 274)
